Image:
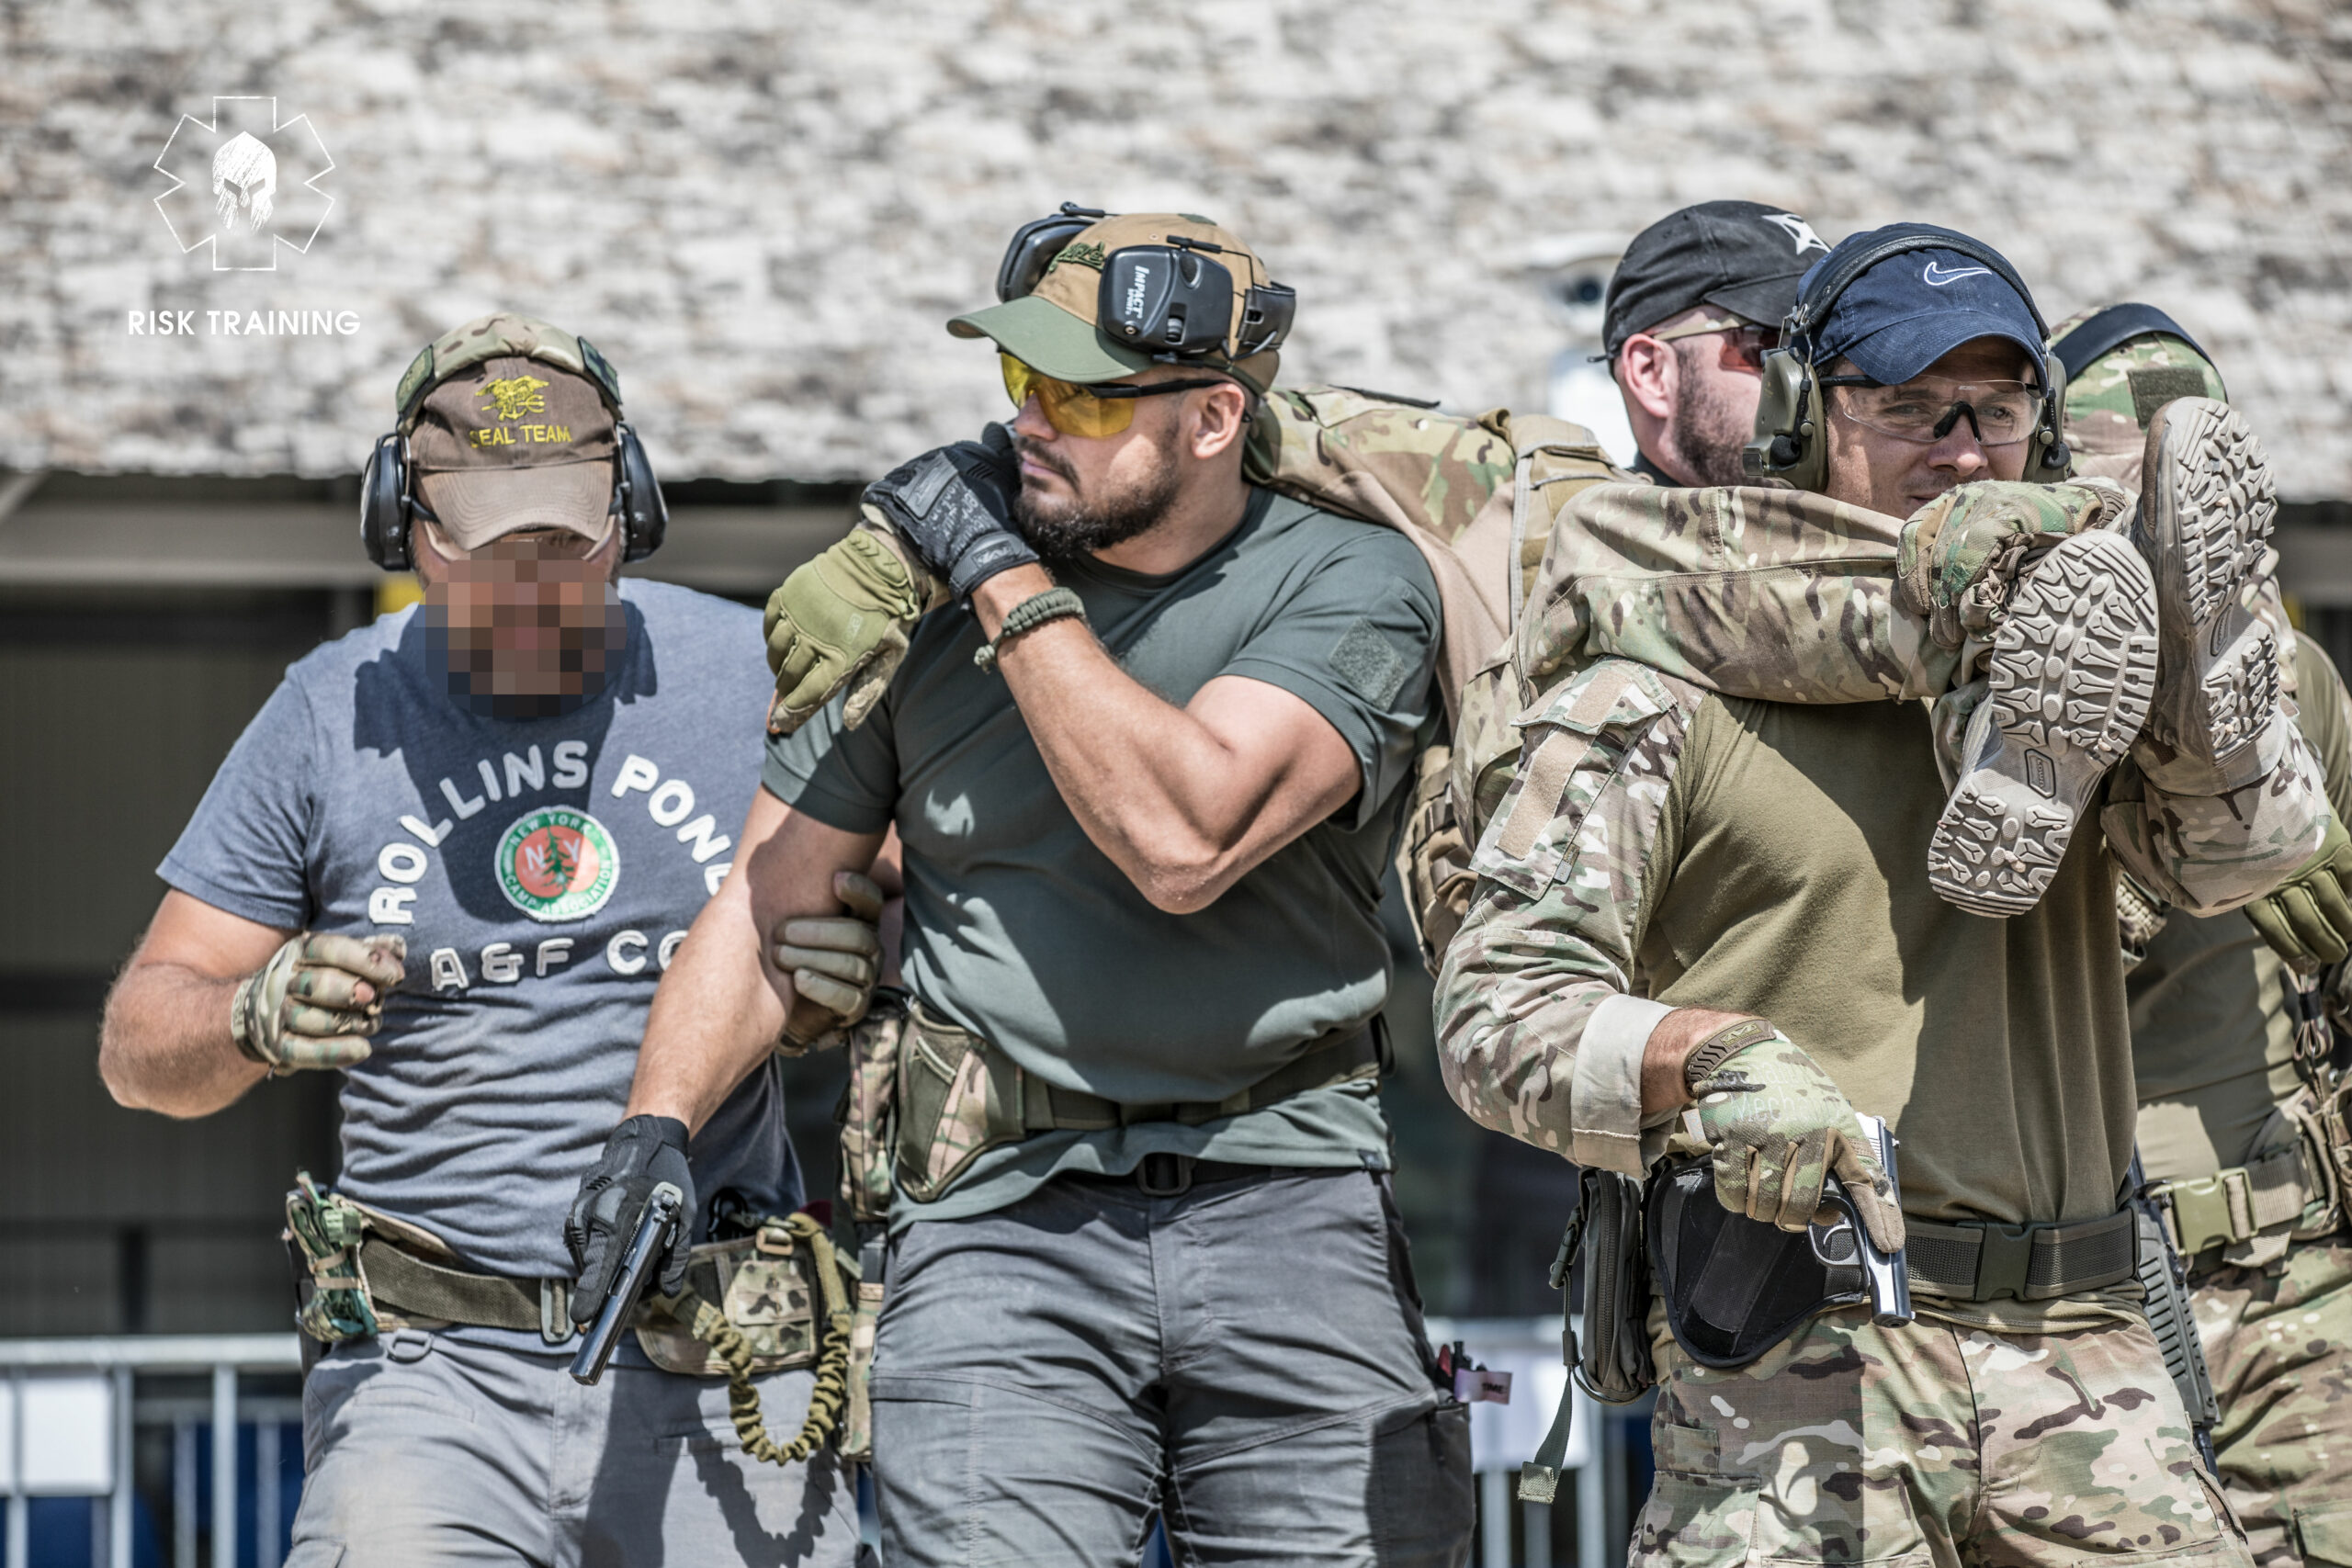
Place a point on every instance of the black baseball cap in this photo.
(1741, 257)
(1915, 306)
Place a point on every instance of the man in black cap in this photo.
(1695, 303)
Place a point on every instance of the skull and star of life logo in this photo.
(557, 865)
(244, 184)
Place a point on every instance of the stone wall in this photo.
(763, 213)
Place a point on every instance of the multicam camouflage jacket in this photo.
(1568, 820)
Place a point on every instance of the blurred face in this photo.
(1085, 493)
(529, 625)
(1893, 449)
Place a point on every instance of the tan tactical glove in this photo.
(832, 960)
(1780, 1128)
(841, 620)
(316, 1000)
(1958, 556)
(2308, 918)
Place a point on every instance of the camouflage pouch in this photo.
(326, 1231)
(866, 1114)
(762, 1285)
(956, 1099)
(1433, 858)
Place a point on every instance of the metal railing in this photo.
(112, 1365)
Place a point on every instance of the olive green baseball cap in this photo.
(1053, 328)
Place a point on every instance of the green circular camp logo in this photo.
(558, 864)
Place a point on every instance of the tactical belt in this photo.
(412, 1287)
(1980, 1262)
(1049, 1107)
(2269, 1194)
(2263, 1195)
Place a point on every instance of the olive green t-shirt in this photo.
(2213, 1038)
(1998, 1050)
(1021, 931)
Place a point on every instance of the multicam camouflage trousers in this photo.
(1930, 1445)
(2281, 1348)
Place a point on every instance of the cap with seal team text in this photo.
(511, 426)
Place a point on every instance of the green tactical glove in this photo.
(1780, 1128)
(316, 1000)
(832, 960)
(1958, 556)
(841, 620)
(2308, 918)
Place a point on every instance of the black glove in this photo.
(642, 1153)
(954, 504)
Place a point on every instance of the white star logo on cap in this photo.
(1799, 232)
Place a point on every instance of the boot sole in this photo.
(2074, 669)
(2206, 514)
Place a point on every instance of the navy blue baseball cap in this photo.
(1915, 306)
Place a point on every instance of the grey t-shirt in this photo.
(543, 871)
(1021, 929)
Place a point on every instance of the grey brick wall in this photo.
(763, 213)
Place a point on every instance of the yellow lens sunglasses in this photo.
(1104, 408)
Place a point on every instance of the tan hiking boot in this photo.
(2206, 509)
(2074, 668)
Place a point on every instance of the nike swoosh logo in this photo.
(1937, 276)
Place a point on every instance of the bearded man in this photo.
(1147, 755)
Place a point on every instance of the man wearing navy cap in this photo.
(1705, 935)
(1694, 304)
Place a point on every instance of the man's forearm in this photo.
(1176, 806)
(721, 1004)
(164, 1043)
(718, 1012)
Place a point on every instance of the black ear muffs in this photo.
(1035, 245)
(1789, 443)
(645, 516)
(383, 505)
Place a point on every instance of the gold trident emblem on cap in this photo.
(517, 396)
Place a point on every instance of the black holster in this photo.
(1735, 1287)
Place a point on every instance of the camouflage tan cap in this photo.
(2111, 399)
(1054, 329)
(511, 426)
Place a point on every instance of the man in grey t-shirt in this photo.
(1146, 767)
(451, 858)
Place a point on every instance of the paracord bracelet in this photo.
(1717, 1048)
(1053, 604)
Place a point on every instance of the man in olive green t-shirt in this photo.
(1670, 868)
(1143, 730)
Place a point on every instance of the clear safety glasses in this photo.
(1104, 408)
(1925, 408)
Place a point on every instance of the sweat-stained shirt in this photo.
(1662, 842)
(2212, 1037)
(1020, 930)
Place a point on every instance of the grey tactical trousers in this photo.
(424, 1450)
(1246, 1357)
